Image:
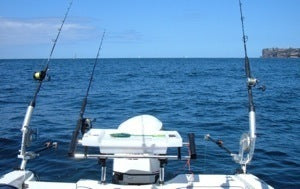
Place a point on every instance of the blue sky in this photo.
(146, 28)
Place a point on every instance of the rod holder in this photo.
(192, 146)
(102, 162)
(162, 163)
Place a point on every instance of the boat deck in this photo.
(180, 181)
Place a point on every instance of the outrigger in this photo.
(139, 148)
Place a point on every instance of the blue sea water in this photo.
(188, 95)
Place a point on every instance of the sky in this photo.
(146, 28)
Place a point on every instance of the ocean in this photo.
(201, 96)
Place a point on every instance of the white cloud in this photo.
(38, 31)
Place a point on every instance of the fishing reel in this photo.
(251, 82)
(40, 76)
(86, 125)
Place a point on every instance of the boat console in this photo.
(114, 141)
(138, 147)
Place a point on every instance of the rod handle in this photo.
(192, 145)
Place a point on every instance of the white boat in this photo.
(139, 148)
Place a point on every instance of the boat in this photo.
(140, 149)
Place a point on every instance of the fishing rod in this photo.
(251, 82)
(247, 141)
(83, 123)
(39, 76)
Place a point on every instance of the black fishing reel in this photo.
(86, 125)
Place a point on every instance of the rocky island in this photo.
(281, 53)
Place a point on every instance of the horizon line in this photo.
(128, 58)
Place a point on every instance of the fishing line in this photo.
(81, 123)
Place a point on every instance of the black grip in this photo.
(192, 145)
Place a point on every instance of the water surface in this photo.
(188, 95)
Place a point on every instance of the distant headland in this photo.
(281, 53)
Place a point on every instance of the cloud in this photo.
(38, 31)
